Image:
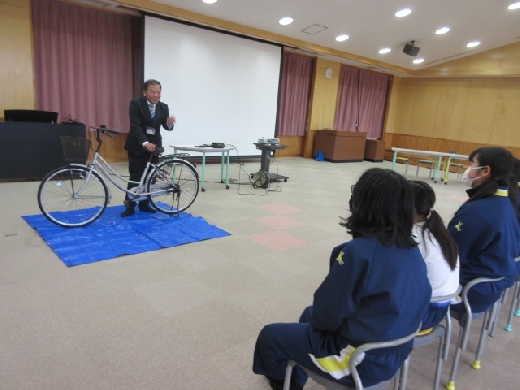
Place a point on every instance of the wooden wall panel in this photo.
(507, 114)
(308, 146)
(465, 111)
(480, 110)
(452, 105)
(483, 63)
(502, 61)
(511, 58)
(439, 145)
(295, 146)
(324, 98)
(405, 107)
(392, 104)
(112, 150)
(16, 60)
(425, 107)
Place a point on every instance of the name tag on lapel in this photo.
(150, 130)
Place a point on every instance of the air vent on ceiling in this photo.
(449, 58)
(314, 29)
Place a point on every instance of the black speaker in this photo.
(411, 49)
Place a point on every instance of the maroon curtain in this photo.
(84, 63)
(361, 102)
(347, 105)
(295, 94)
(373, 89)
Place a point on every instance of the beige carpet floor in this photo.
(187, 317)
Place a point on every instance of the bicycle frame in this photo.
(137, 192)
(171, 184)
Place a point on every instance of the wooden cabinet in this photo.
(375, 150)
(340, 146)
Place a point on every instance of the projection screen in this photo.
(220, 87)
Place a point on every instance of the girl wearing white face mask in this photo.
(486, 227)
(465, 176)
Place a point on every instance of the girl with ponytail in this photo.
(438, 249)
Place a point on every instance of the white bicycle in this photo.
(76, 195)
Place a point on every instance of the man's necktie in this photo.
(152, 111)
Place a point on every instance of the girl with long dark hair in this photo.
(438, 249)
(486, 227)
(376, 290)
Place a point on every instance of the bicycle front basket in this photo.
(75, 149)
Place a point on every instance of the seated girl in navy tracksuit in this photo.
(486, 227)
(438, 249)
(376, 290)
(516, 172)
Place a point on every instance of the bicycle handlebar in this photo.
(105, 130)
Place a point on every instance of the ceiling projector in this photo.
(411, 49)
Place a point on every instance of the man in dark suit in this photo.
(147, 115)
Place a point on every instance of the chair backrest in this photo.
(333, 385)
(453, 159)
(369, 346)
(467, 307)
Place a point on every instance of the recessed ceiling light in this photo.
(418, 60)
(403, 12)
(385, 50)
(209, 1)
(473, 44)
(514, 6)
(342, 37)
(442, 30)
(285, 21)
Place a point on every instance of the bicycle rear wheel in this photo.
(173, 185)
(70, 197)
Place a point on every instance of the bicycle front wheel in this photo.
(173, 186)
(72, 197)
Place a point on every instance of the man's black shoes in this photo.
(146, 208)
(128, 211)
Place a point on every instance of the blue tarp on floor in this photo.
(112, 236)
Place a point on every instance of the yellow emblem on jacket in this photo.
(340, 258)
(459, 226)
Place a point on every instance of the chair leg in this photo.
(517, 309)
(447, 336)
(438, 369)
(288, 373)
(486, 326)
(496, 310)
(397, 378)
(453, 373)
(514, 304)
(403, 375)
